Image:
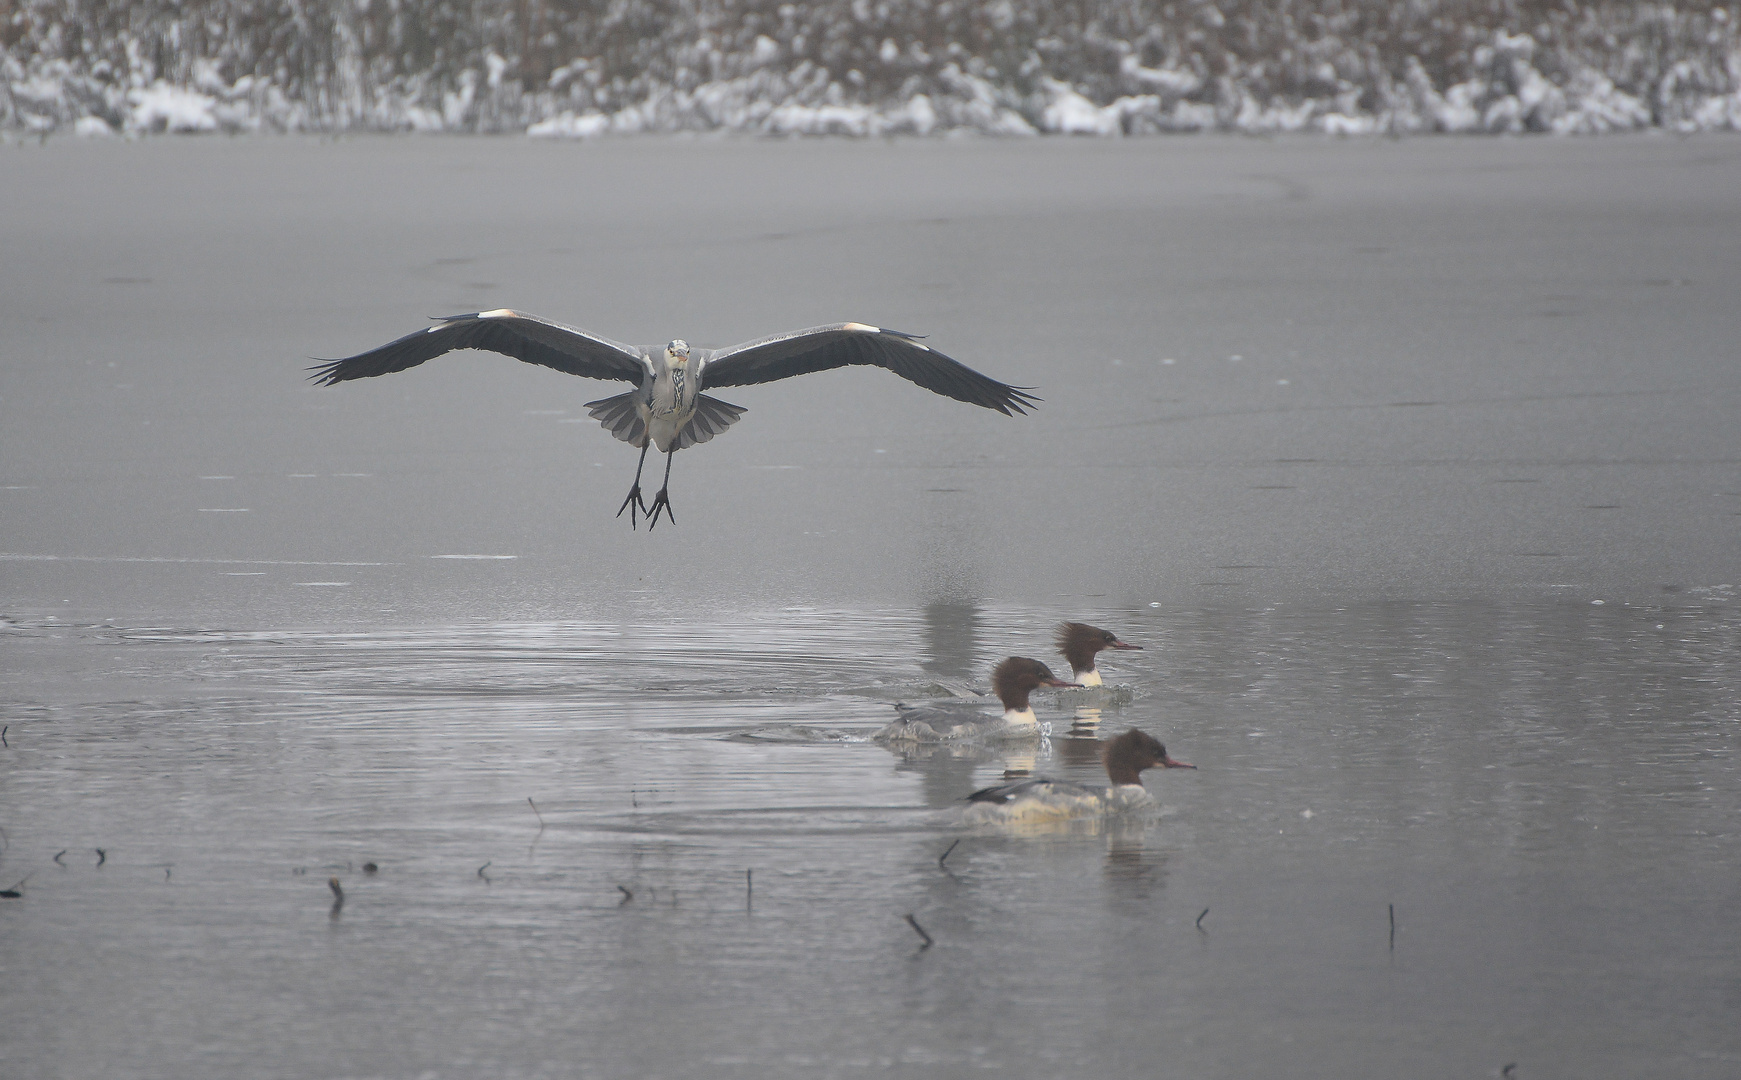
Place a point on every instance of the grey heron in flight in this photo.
(667, 408)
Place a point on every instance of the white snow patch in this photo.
(1069, 113)
(1338, 124)
(570, 126)
(1167, 80)
(92, 127)
(821, 120)
(162, 107)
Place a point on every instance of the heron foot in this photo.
(661, 502)
(634, 500)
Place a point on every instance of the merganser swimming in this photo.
(1052, 800)
(1079, 642)
(1012, 681)
(668, 409)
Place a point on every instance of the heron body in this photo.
(667, 409)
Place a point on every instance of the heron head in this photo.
(677, 351)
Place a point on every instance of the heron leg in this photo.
(634, 498)
(662, 501)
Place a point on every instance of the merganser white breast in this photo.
(1013, 681)
(667, 409)
(1080, 643)
(1041, 800)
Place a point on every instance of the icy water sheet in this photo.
(1542, 792)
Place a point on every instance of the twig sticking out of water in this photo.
(945, 854)
(337, 890)
(628, 895)
(481, 870)
(534, 807)
(632, 800)
(166, 873)
(1508, 1070)
(914, 923)
(17, 890)
(102, 856)
(58, 854)
(1392, 925)
(1200, 915)
(3, 731)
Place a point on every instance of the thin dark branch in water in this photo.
(914, 923)
(627, 895)
(945, 854)
(58, 854)
(1510, 1068)
(481, 870)
(102, 856)
(17, 890)
(166, 871)
(632, 801)
(1392, 925)
(3, 731)
(534, 807)
(338, 890)
(1200, 915)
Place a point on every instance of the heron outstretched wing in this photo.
(512, 333)
(822, 347)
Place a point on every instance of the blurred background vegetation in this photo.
(584, 67)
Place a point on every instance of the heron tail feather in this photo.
(619, 416)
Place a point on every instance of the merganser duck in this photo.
(667, 409)
(1012, 681)
(1079, 642)
(1052, 800)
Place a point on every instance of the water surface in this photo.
(1544, 793)
(1411, 465)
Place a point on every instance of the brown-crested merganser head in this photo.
(1128, 755)
(1079, 642)
(1014, 679)
(677, 352)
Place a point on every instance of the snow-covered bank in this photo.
(869, 67)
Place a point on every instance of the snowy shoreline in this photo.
(859, 70)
